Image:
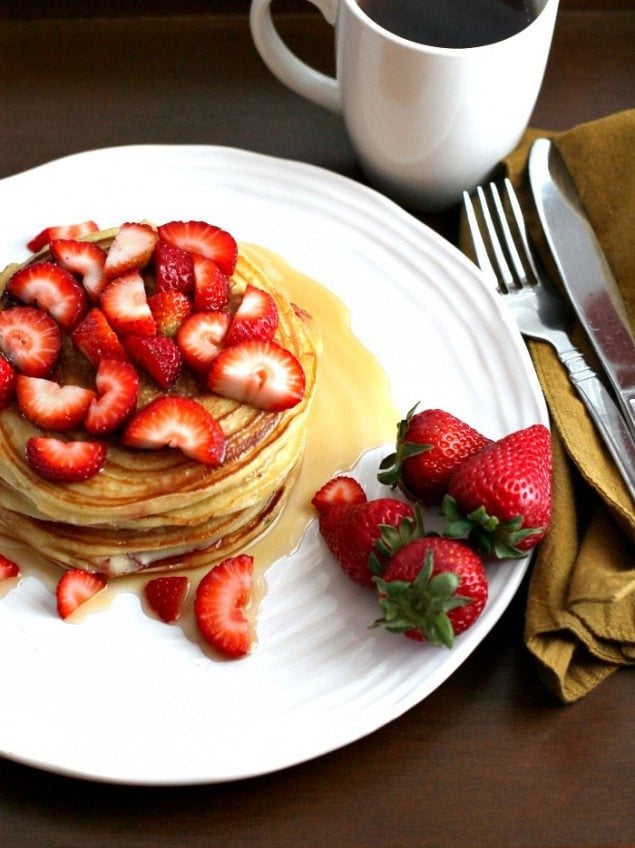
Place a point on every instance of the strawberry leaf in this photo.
(486, 532)
(375, 566)
(392, 538)
(503, 551)
(422, 605)
(390, 466)
(389, 539)
(458, 526)
(489, 523)
(441, 632)
(443, 585)
(389, 470)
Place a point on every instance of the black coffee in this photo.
(451, 23)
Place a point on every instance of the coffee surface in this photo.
(451, 23)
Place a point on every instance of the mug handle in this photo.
(285, 65)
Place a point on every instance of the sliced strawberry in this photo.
(64, 231)
(96, 339)
(200, 337)
(158, 355)
(131, 250)
(262, 374)
(339, 491)
(173, 268)
(125, 305)
(221, 598)
(211, 285)
(166, 595)
(64, 462)
(169, 309)
(75, 587)
(30, 339)
(8, 568)
(177, 422)
(118, 387)
(51, 406)
(53, 289)
(203, 239)
(83, 258)
(255, 318)
(7, 382)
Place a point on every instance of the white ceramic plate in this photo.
(127, 699)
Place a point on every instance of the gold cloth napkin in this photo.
(580, 616)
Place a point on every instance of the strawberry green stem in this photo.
(486, 533)
(390, 467)
(421, 605)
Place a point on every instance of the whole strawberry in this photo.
(501, 499)
(431, 444)
(432, 590)
(351, 525)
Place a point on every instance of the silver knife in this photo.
(585, 273)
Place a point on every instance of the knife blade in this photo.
(584, 271)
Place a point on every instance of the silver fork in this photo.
(505, 255)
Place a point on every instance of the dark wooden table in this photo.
(490, 758)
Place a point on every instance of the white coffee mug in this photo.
(426, 122)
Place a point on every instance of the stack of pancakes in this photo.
(159, 510)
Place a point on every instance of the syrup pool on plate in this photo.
(344, 423)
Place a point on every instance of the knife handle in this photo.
(605, 414)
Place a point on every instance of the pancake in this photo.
(158, 509)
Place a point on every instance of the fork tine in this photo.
(504, 275)
(490, 254)
(480, 249)
(519, 220)
(503, 223)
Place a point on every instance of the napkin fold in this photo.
(580, 615)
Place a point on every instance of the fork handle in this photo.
(605, 414)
